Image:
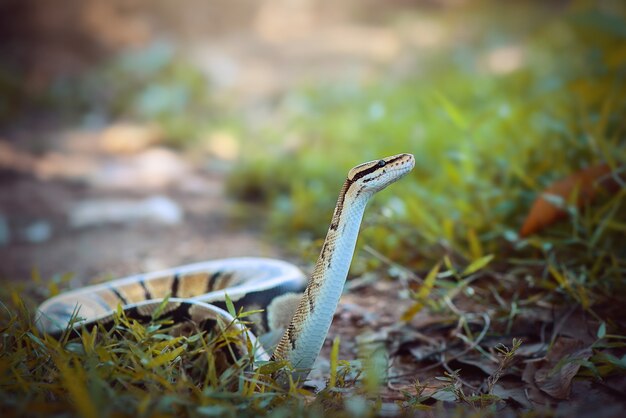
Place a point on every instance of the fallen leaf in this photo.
(534, 395)
(545, 210)
(561, 364)
(515, 392)
(593, 399)
(425, 352)
(531, 350)
(479, 361)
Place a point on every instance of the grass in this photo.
(486, 143)
(141, 370)
(125, 371)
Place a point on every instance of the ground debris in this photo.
(95, 212)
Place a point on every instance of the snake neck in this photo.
(307, 331)
(333, 263)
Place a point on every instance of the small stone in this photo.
(155, 168)
(128, 138)
(163, 210)
(222, 145)
(157, 209)
(38, 232)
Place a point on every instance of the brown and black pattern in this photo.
(95, 304)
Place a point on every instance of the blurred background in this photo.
(137, 135)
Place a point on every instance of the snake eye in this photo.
(381, 163)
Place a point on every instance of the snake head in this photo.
(374, 176)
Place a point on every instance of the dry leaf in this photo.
(562, 363)
(534, 395)
(512, 391)
(426, 352)
(480, 362)
(586, 183)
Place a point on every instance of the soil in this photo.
(251, 54)
(114, 250)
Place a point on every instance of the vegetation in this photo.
(485, 143)
(488, 140)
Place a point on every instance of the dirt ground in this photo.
(251, 53)
(114, 248)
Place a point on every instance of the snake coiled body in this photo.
(196, 292)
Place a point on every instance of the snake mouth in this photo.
(407, 162)
(399, 166)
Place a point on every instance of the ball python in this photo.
(195, 293)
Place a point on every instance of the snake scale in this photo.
(195, 292)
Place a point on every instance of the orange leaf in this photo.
(586, 183)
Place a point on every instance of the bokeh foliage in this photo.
(485, 143)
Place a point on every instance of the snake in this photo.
(295, 312)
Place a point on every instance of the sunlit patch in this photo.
(425, 33)
(504, 60)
